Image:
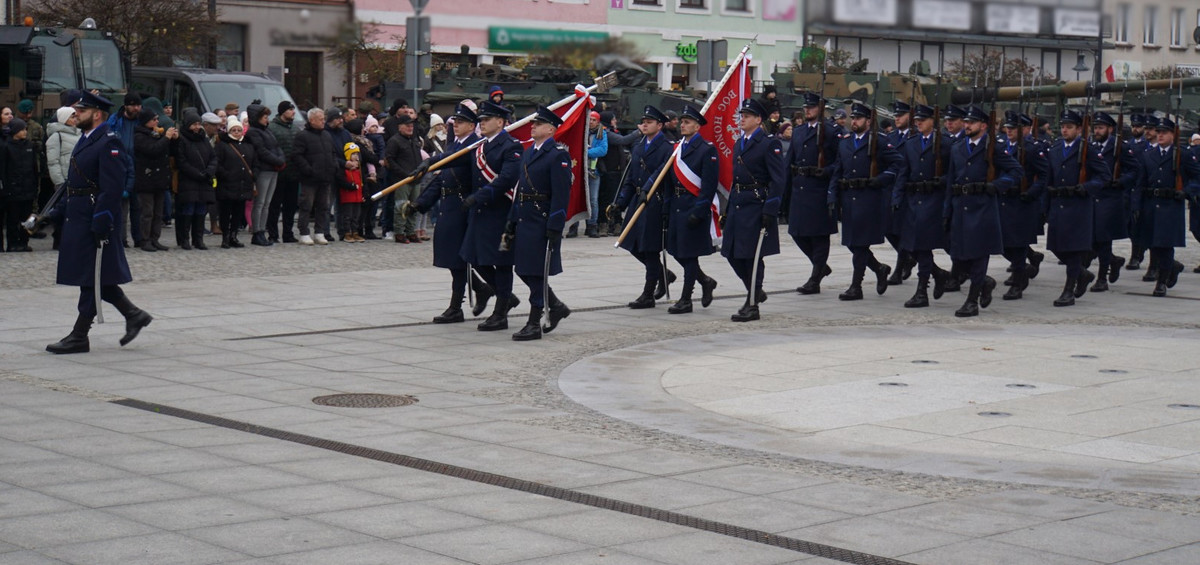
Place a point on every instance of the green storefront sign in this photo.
(529, 39)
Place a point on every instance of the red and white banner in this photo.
(723, 129)
(572, 133)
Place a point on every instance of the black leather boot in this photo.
(135, 319)
(1160, 285)
(198, 232)
(707, 285)
(897, 276)
(557, 312)
(1173, 274)
(855, 291)
(940, 278)
(920, 299)
(681, 306)
(881, 278)
(233, 240)
(646, 299)
(499, 318)
(533, 327)
(985, 293)
(454, 313)
(1081, 284)
(813, 285)
(483, 293)
(747, 313)
(661, 291)
(1020, 283)
(183, 231)
(1151, 274)
(1114, 270)
(76, 341)
(970, 308)
(225, 237)
(1035, 264)
(1067, 298)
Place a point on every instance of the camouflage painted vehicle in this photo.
(44, 62)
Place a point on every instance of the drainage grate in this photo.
(758, 536)
(365, 400)
(925, 362)
(995, 414)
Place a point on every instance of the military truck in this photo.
(44, 62)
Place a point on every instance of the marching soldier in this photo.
(1144, 139)
(1073, 180)
(811, 156)
(1110, 216)
(446, 191)
(536, 221)
(497, 169)
(922, 193)
(978, 169)
(862, 198)
(693, 183)
(954, 124)
(645, 239)
(1167, 175)
(895, 213)
(91, 214)
(759, 177)
(1020, 205)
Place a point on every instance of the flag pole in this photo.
(602, 84)
(671, 160)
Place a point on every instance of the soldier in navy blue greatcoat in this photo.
(863, 200)
(1142, 128)
(1160, 206)
(449, 187)
(692, 183)
(497, 167)
(645, 238)
(1073, 179)
(1111, 216)
(91, 212)
(811, 157)
(920, 195)
(1021, 206)
(895, 212)
(536, 221)
(979, 168)
(759, 177)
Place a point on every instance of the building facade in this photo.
(1152, 34)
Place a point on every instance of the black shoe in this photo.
(953, 284)
(706, 291)
(592, 231)
(746, 314)
(290, 238)
(919, 300)
(906, 268)
(985, 296)
(1035, 265)
(1067, 298)
(760, 296)
(159, 246)
(234, 243)
(661, 290)
(493, 323)
(881, 278)
(225, 241)
(810, 287)
(897, 276)
(681, 306)
(1114, 269)
(969, 309)
(1015, 292)
(574, 231)
(853, 293)
(147, 246)
(198, 244)
(1133, 264)
(134, 324)
(1173, 276)
(646, 298)
(452, 315)
(940, 278)
(1100, 286)
(1011, 278)
(1081, 284)
(1160, 289)
(70, 344)
(532, 329)
(370, 234)
(483, 294)
(557, 312)
(1150, 276)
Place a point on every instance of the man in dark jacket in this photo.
(287, 186)
(403, 156)
(313, 158)
(269, 160)
(20, 183)
(152, 153)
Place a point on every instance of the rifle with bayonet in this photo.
(1178, 143)
(1118, 150)
(937, 131)
(1087, 126)
(991, 139)
(874, 145)
(821, 116)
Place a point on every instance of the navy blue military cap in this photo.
(752, 106)
(691, 113)
(812, 99)
(90, 100)
(900, 107)
(975, 114)
(1071, 117)
(652, 113)
(954, 112)
(546, 115)
(1024, 120)
(860, 110)
(489, 109)
(922, 111)
(1165, 124)
(1137, 119)
(1012, 119)
(1104, 118)
(463, 112)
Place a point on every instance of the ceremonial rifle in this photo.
(1178, 144)
(937, 131)
(1117, 149)
(874, 145)
(1087, 126)
(990, 138)
(821, 116)
(1021, 137)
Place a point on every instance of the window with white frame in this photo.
(1121, 31)
(692, 4)
(737, 5)
(1178, 39)
(1150, 26)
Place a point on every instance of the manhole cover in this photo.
(995, 414)
(365, 400)
(893, 384)
(1114, 371)
(1019, 385)
(1185, 406)
(925, 362)
(1083, 357)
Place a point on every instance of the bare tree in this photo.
(989, 64)
(151, 32)
(363, 43)
(1165, 72)
(581, 55)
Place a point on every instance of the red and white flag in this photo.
(572, 133)
(722, 130)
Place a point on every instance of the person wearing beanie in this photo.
(373, 133)
(21, 174)
(335, 122)
(122, 123)
(350, 195)
(271, 160)
(284, 201)
(235, 179)
(37, 134)
(155, 105)
(197, 164)
(62, 135)
(152, 152)
(368, 167)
